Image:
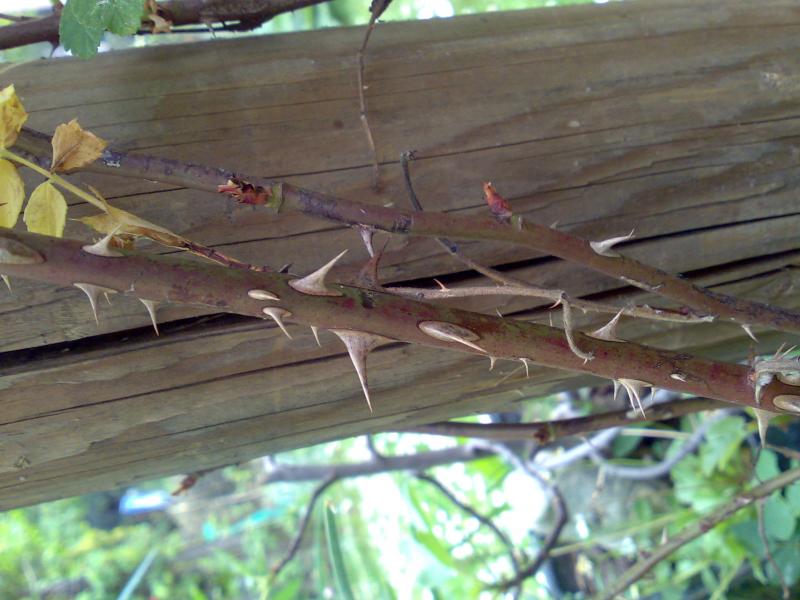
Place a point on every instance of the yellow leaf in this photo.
(74, 148)
(12, 116)
(46, 211)
(12, 194)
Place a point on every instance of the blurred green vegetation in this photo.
(394, 536)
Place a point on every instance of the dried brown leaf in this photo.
(73, 147)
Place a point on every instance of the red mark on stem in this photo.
(245, 192)
(497, 204)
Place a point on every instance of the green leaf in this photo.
(793, 497)
(767, 465)
(623, 445)
(786, 557)
(288, 592)
(779, 519)
(433, 545)
(336, 556)
(722, 442)
(84, 21)
(124, 16)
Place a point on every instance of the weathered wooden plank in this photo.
(676, 118)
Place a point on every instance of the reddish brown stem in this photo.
(175, 280)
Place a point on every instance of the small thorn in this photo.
(763, 417)
(441, 285)
(315, 331)
(103, 248)
(608, 331)
(678, 377)
(499, 314)
(366, 237)
(150, 305)
(634, 389)
(359, 344)
(603, 247)
(7, 281)
(262, 295)
(586, 356)
(749, 332)
(278, 314)
(450, 333)
(285, 268)
(314, 283)
(92, 291)
(492, 361)
(524, 361)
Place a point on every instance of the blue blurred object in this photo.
(135, 502)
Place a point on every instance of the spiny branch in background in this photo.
(720, 514)
(376, 9)
(695, 300)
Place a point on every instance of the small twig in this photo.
(373, 450)
(664, 467)
(15, 18)
(559, 505)
(376, 9)
(785, 451)
(644, 566)
(298, 537)
(511, 286)
(483, 520)
(547, 432)
(762, 533)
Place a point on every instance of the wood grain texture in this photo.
(678, 118)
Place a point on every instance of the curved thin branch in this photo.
(762, 533)
(301, 528)
(665, 466)
(559, 505)
(641, 568)
(549, 431)
(483, 520)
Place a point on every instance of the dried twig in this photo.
(376, 8)
(665, 466)
(559, 505)
(483, 520)
(301, 528)
(745, 499)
